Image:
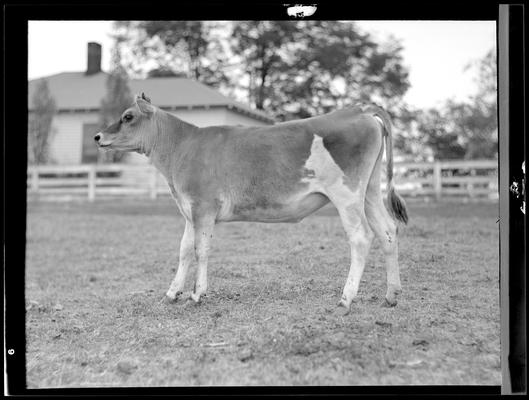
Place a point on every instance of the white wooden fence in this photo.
(476, 178)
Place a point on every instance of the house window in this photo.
(90, 151)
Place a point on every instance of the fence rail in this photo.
(475, 178)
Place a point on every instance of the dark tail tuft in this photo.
(397, 206)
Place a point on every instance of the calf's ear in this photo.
(145, 97)
(144, 106)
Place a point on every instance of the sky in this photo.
(436, 52)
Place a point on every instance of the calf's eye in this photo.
(127, 118)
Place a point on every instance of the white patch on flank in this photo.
(329, 178)
(321, 162)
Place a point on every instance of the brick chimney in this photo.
(93, 65)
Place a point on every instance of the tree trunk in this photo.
(260, 98)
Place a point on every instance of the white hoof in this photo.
(171, 295)
(195, 297)
(175, 297)
(344, 306)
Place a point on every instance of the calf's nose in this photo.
(97, 137)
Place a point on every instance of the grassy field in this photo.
(95, 275)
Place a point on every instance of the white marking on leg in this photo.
(360, 237)
(386, 231)
(186, 257)
(203, 235)
(392, 265)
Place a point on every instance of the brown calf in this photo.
(278, 173)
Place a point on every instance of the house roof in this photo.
(75, 91)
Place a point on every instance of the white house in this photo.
(78, 96)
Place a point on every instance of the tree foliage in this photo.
(167, 48)
(40, 123)
(297, 69)
(261, 49)
(291, 69)
(466, 129)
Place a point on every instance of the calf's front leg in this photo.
(187, 250)
(203, 234)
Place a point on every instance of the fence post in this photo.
(153, 183)
(35, 179)
(437, 184)
(470, 186)
(92, 183)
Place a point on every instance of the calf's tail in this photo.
(396, 204)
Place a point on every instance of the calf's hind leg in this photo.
(386, 231)
(360, 237)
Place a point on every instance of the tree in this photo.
(297, 69)
(410, 139)
(466, 129)
(260, 47)
(481, 119)
(118, 97)
(441, 135)
(40, 123)
(290, 69)
(188, 48)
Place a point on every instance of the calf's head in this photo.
(133, 131)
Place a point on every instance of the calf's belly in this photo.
(288, 211)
